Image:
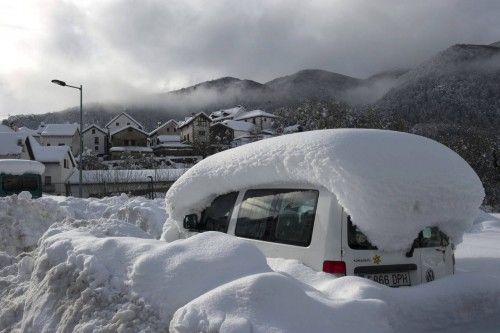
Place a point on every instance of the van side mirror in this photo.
(190, 222)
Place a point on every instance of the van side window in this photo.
(216, 216)
(278, 215)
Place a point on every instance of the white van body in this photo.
(333, 244)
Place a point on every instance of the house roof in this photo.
(188, 120)
(226, 113)
(5, 129)
(255, 113)
(126, 115)
(140, 149)
(127, 127)
(96, 127)
(239, 125)
(51, 154)
(58, 129)
(169, 138)
(27, 130)
(161, 126)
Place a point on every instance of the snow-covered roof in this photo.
(95, 127)
(226, 113)
(171, 121)
(131, 149)
(19, 167)
(28, 130)
(127, 127)
(5, 129)
(126, 115)
(188, 120)
(172, 145)
(11, 143)
(255, 113)
(169, 138)
(239, 125)
(58, 129)
(125, 176)
(392, 184)
(292, 129)
(51, 154)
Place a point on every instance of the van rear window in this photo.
(278, 215)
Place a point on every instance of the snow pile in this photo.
(274, 302)
(149, 215)
(19, 167)
(23, 221)
(82, 281)
(392, 184)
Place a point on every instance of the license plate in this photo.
(391, 279)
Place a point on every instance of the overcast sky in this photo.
(123, 49)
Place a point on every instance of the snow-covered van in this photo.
(383, 205)
(17, 176)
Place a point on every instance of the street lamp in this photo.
(63, 84)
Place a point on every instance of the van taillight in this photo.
(334, 267)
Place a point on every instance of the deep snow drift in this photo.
(393, 184)
(108, 273)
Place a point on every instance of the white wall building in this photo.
(60, 135)
(95, 139)
(261, 119)
(121, 121)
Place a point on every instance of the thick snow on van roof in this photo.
(392, 184)
(19, 167)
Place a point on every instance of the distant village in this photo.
(123, 157)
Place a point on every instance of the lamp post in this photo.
(63, 84)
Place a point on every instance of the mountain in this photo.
(312, 84)
(459, 85)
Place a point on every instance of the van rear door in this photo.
(393, 269)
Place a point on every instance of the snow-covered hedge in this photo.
(393, 184)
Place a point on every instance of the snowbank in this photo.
(82, 281)
(19, 167)
(392, 184)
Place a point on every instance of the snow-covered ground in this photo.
(85, 265)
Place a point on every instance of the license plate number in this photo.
(391, 279)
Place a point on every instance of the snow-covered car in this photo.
(17, 176)
(383, 205)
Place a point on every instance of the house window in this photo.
(65, 163)
(201, 133)
(48, 144)
(96, 148)
(48, 180)
(128, 124)
(168, 130)
(117, 124)
(188, 137)
(93, 131)
(125, 142)
(60, 144)
(253, 121)
(132, 142)
(96, 140)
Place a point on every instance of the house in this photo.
(227, 114)
(129, 139)
(261, 119)
(14, 145)
(121, 121)
(171, 145)
(59, 165)
(95, 139)
(28, 131)
(195, 129)
(60, 135)
(168, 128)
(58, 160)
(223, 133)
